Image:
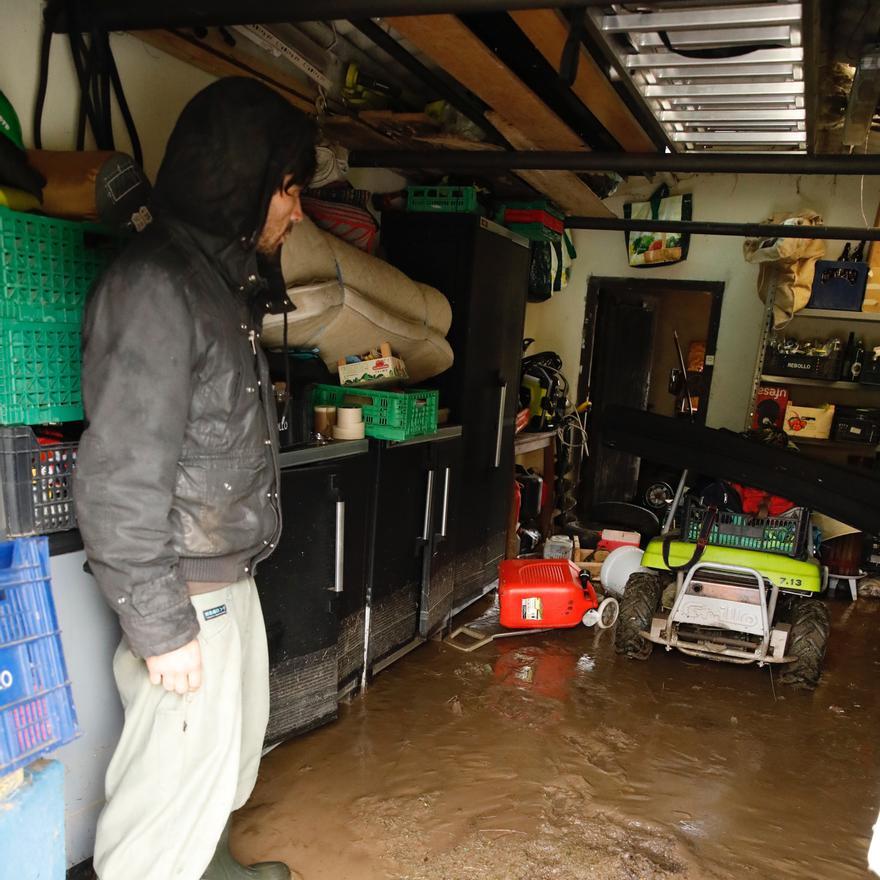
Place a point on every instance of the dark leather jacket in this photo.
(177, 472)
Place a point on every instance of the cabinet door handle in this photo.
(502, 399)
(429, 494)
(338, 585)
(445, 503)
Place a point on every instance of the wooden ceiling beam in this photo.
(215, 57)
(548, 31)
(517, 113)
(565, 188)
(450, 43)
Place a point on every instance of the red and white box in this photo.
(770, 404)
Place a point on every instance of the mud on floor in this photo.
(551, 758)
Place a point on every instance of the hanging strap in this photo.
(709, 518)
(571, 51)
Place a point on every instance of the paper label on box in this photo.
(533, 608)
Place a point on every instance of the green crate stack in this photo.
(443, 199)
(388, 415)
(47, 267)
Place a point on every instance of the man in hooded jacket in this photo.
(177, 481)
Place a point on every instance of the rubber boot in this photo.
(224, 867)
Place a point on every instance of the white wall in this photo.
(156, 85)
(557, 324)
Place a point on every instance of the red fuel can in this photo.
(543, 594)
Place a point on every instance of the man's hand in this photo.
(179, 670)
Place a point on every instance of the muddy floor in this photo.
(552, 757)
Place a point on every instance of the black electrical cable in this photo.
(100, 48)
(124, 110)
(43, 78)
(720, 52)
(78, 50)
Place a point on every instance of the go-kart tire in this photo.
(810, 627)
(640, 601)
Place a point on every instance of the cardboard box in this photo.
(374, 373)
(809, 422)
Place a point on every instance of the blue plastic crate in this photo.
(36, 705)
(35, 727)
(839, 286)
(26, 606)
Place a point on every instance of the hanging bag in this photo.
(647, 249)
(786, 265)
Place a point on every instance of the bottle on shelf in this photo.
(858, 255)
(848, 356)
(844, 254)
(855, 369)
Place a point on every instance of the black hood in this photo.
(228, 153)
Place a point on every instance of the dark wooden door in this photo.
(621, 375)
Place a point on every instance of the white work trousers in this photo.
(183, 764)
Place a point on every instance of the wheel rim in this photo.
(608, 611)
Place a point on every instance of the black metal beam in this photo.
(131, 15)
(742, 230)
(623, 163)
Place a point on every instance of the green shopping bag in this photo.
(647, 249)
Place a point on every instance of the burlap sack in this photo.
(786, 265)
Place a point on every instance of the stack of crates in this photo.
(37, 714)
(47, 267)
(537, 220)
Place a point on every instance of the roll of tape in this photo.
(348, 416)
(351, 432)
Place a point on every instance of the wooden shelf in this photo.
(838, 315)
(818, 383)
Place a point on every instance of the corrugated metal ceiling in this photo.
(716, 77)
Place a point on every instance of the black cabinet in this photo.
(354, 482)
(400, 531)
(313, 590)
(483, 271)
(438, 577)
(297, 591)
(412, 573)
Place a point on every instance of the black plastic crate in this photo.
(857, 425)
(785, 534)
(811, 366)
(37, 484)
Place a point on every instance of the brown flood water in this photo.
(552, 757)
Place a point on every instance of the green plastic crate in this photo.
(39, 372)
(388, 415)
(785, 534)
(47, 266)
(443, 199)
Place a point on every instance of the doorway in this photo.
(628, 354)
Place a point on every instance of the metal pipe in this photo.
(131, 15)
(623, 163)
(744, 230)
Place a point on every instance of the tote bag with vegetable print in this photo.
(658, 248)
